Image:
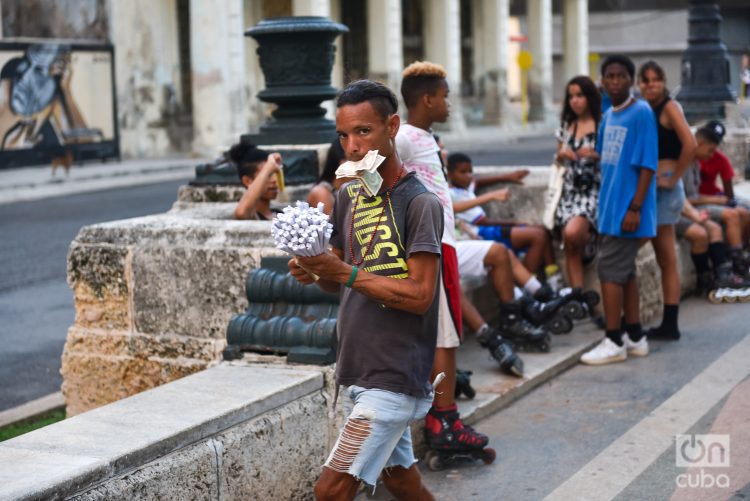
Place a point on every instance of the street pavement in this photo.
(36, 305)
(609, 432)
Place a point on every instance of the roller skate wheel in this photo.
(471, 393)
(713, 297)
(433, 460)
(574, 310)
(730, 299)
(489, 455)
(591, 298)
(744, 299)
(559, 325)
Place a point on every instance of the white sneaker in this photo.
(639, 349)
(606, 352)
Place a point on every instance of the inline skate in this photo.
(463, 384)
(729, 287)
(451, 441)
(547, 315)
(501, 350)
(519, 331)
(575, 303)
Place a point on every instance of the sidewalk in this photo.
(34, 183)
(496, 390)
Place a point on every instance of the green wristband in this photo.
(352, 277)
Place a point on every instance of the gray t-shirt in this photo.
(378, 346)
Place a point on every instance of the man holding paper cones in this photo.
(384, 262)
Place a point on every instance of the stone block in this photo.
(99, 277)
(189, 290)
(91, 380)
(254, 456)
(188, 474)
(134, 344)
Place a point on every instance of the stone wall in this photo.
(153, 298)
(235, 431)
(527, 205)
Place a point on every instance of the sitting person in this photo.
(714, 164)
(257, 171)
(327, 186)
(735, 220)
(534, 239)
(502, 267)
(707, 248)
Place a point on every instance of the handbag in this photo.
(554, 193)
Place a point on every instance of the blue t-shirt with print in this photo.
(627, 142)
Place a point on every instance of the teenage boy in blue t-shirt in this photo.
(628, 148)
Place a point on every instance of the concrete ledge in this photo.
(72, 455)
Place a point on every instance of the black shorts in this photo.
(617, 258)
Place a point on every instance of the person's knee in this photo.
(714, 231)
(696, 235)
(403, 483)
(498, 255)
(573, 237)
(730, 217)
(326, 489)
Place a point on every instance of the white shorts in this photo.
(471, 254)
(447, 335)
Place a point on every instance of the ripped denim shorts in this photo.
(376, 434)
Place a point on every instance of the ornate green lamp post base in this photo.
(705, 65)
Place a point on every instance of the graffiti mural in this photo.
(56, 98)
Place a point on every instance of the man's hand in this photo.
(703, 216)
(631, 221)
(327, 266)
(299, 273)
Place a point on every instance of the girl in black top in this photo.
(575, 215)
(676, 152)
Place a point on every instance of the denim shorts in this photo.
(376, 434)
(669, 204)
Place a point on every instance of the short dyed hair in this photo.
(420, 78)
(457, 158)
(382, 99)
(619, 59)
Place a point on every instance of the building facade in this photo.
(186, 76)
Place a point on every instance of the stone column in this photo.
(311, 8)
(443, 46)
(325, 8)
(217, 57)
(575, 38)
(1, 19)
(539, 19)
(491, 28)
(385, 52)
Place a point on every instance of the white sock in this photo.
(482, 328)
(532, 285)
